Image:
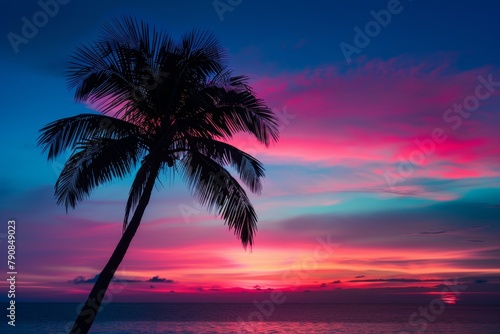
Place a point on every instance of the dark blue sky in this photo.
(467, 27)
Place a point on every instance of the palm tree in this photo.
(161, 106)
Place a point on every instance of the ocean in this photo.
(247, 318)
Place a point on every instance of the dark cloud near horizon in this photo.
(461, 281)
(394, 280)
(82, 280)
(478, 228)
(480, 281)
(434, 232)
(157, 279)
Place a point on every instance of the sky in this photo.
(384, 185)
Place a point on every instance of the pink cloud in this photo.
(374, 113)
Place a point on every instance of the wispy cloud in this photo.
(158, 279)
(82, 280)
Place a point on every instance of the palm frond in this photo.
(66, 133)
(114, 73)
(232, 107)
(250, 169)
(214, 187)
(95, 162)
(105, 76)
(203, 53)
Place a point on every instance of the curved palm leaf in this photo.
(250, 169)
(231, 106)
(95, 162)
(66, 133)
(214, 187)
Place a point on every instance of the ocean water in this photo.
(246, 318)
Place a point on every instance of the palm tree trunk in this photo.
(90, 309)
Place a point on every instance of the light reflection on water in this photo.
(267, 327)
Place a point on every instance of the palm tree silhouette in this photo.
(163, 105)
